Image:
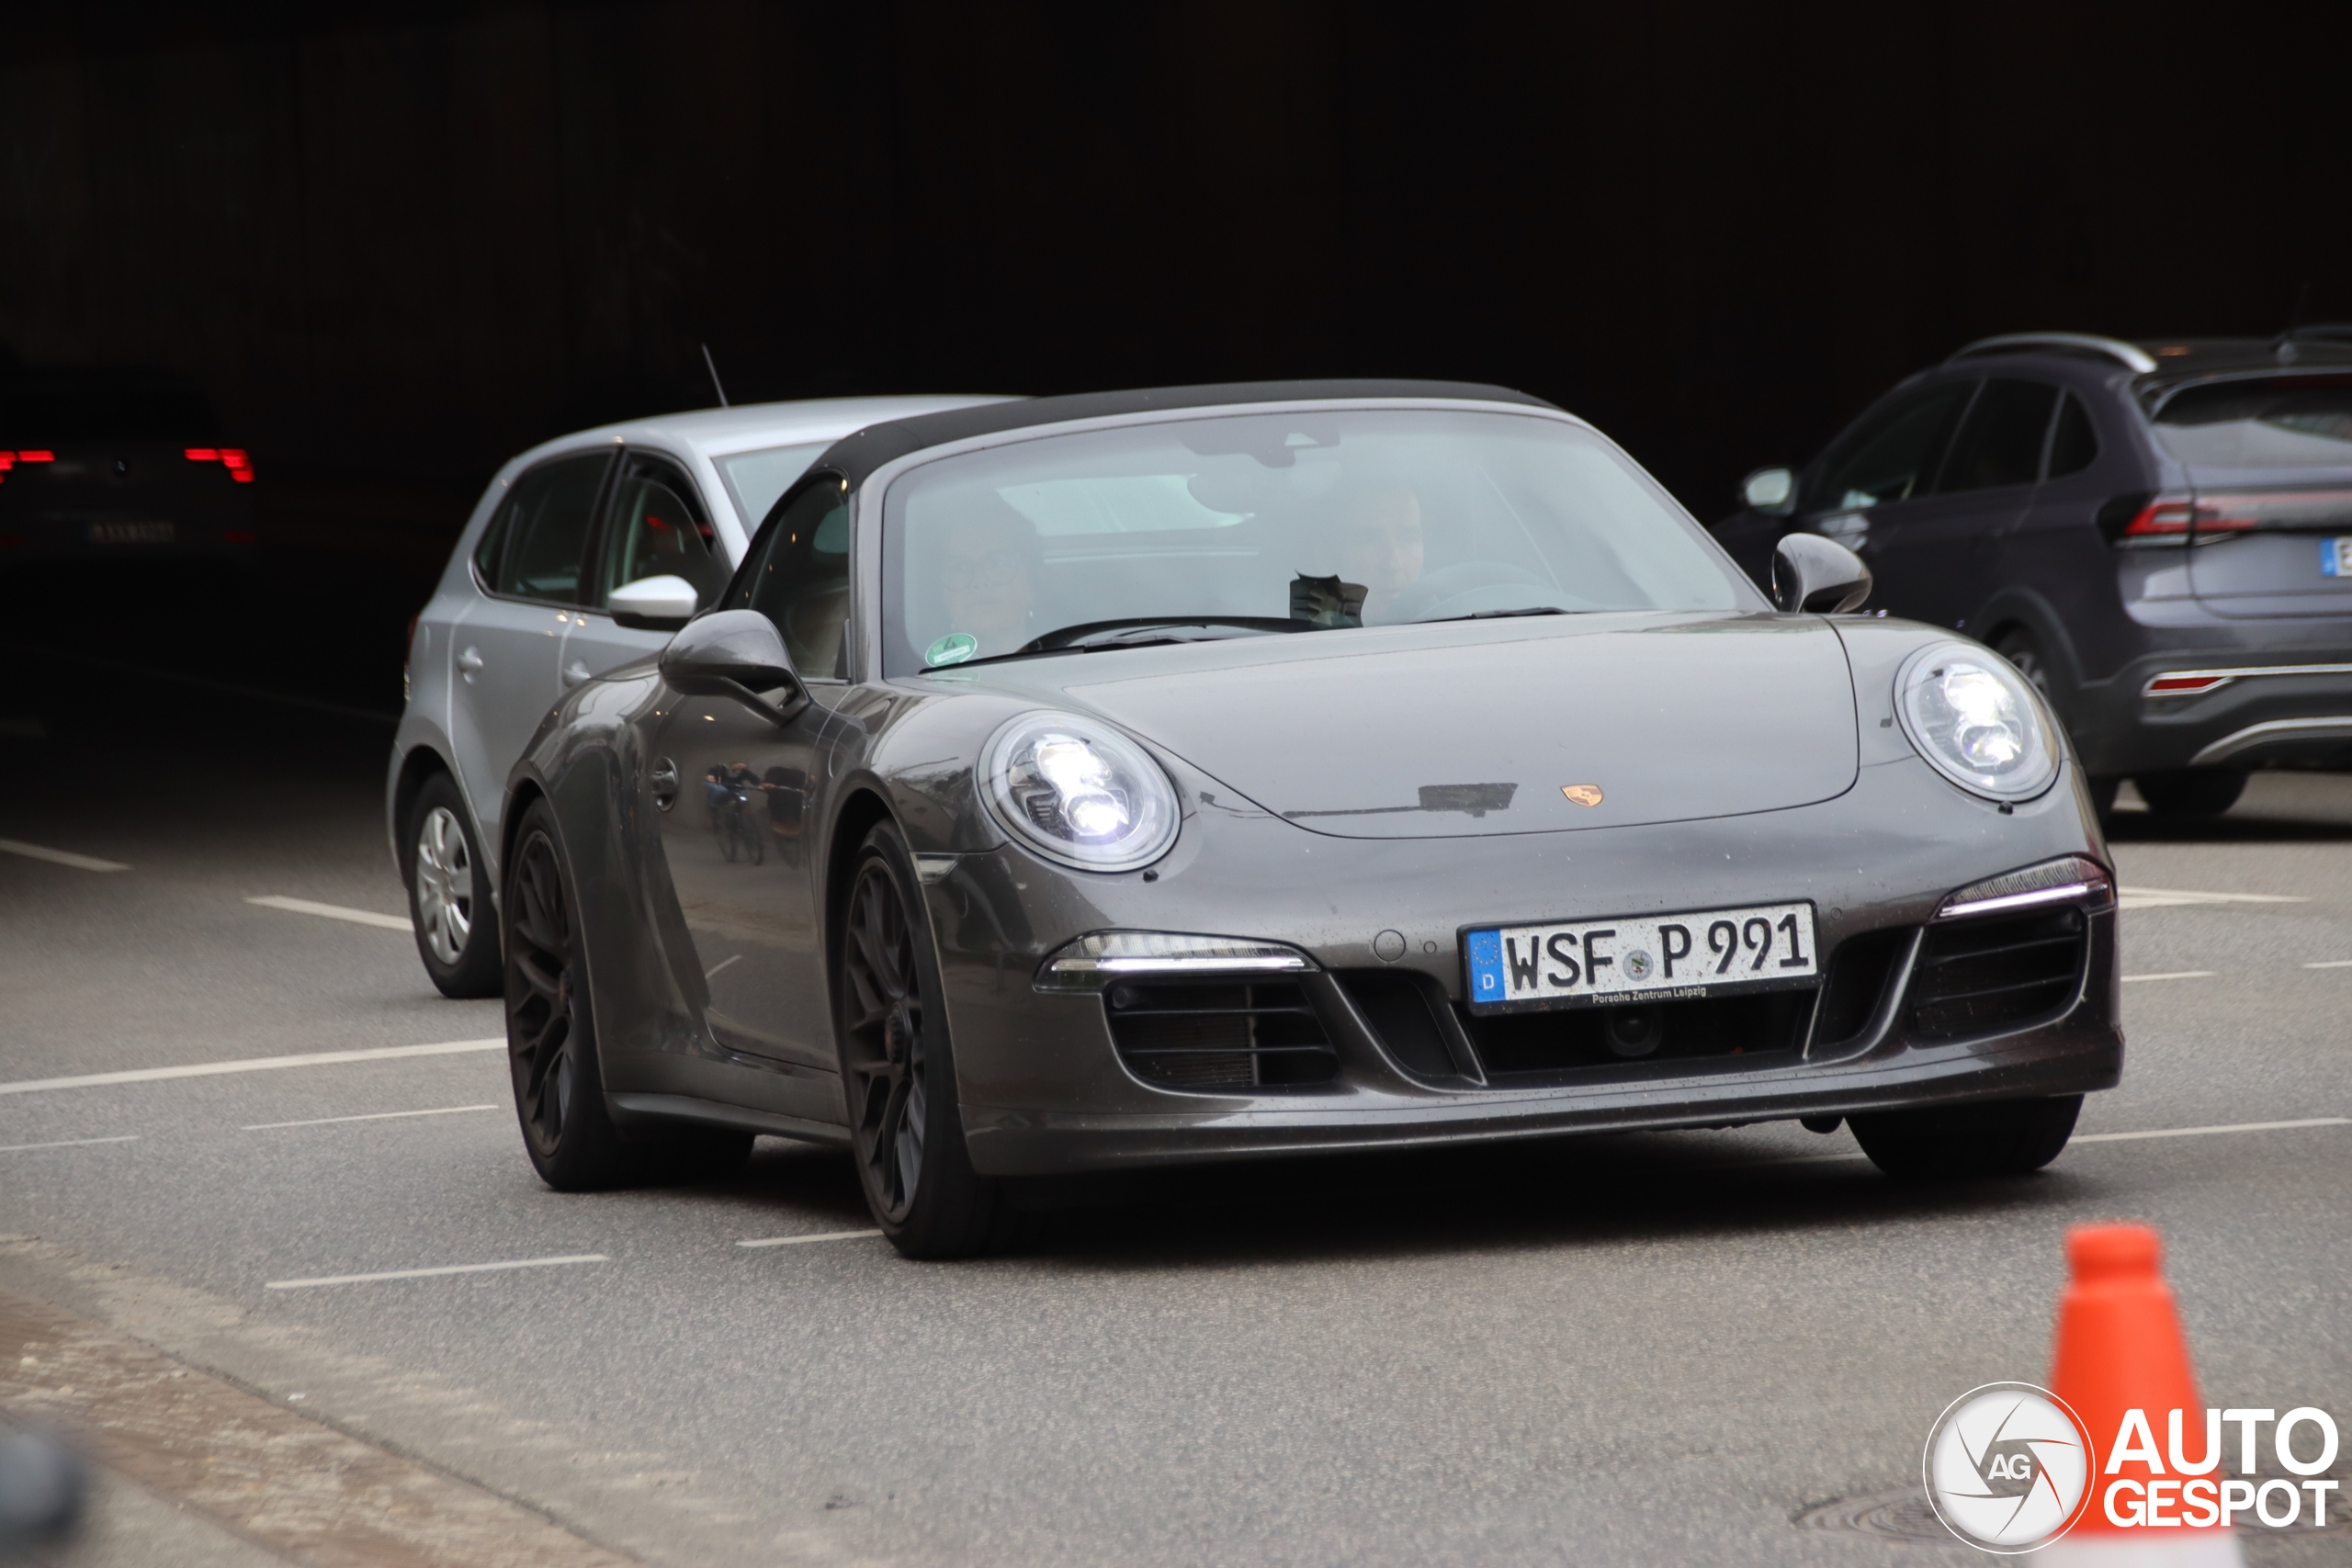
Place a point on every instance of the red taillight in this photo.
(24, 456)
(2209, 515)
(239, 537)
(2164, 520)
(234, 458)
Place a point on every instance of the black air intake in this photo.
(1992, 976)
(1224, 1035)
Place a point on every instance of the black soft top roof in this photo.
(859, 453)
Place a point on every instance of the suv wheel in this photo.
(448, 893)
(2007, 1137)
(2191, 792)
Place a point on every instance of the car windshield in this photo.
(1260, 524)
(756, 479)
(39, 410)
(2287, 422)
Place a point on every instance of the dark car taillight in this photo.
(234, 458)
(2182, 518)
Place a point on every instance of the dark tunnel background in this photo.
(398, 243)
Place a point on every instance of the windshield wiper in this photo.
(1138, 631)
(1497, 615)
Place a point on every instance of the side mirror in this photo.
(1817, 575)
(653, 603)
(1769, 493)
(735, 653)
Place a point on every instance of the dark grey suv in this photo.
(2158, 534)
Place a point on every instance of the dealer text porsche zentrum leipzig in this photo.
(1188, 774)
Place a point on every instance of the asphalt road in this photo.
(1693, 1348)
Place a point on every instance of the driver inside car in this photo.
(1379, 546)
(989, 583)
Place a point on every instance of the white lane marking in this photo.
(60, 857)
(251, 1064)
(2169, 898)
(2332, 964)
(796, 1240)
(375, 1116)
(67, 1143)
(721, 965)
(2077, 1138)
(2203, 1132)
(334, 912)
(435, 1273)
(2173, 974)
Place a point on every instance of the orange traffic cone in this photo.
(2123, 1364)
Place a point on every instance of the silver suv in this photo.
(585, 552)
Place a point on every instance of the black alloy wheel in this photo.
(448, 892)
(897, 1072)
(550, 1038)
(1945, 1143)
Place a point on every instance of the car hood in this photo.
(1518, 726)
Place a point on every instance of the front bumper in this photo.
(1044, 1087)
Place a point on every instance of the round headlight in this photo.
(1974, 719)
(1079, 792)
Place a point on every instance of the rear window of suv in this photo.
(52, 410)
(2273, 422)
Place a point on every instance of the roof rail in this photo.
(2114, 348)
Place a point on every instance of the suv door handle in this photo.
(664, 780)
(575, 672)
(468, 661)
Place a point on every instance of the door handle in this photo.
(575, 672)
(664, 780)
(470, 661)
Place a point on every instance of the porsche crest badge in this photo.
(1583, 794)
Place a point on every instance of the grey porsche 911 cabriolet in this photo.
(1176, 775)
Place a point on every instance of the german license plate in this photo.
(1641, 958)
(129, 533)
(2335, 557)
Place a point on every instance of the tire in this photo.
(559, 1082)
(551, 1035)
(1945, 1143)
(898, 1070)
(2191, 792)
(448, 893)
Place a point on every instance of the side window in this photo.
(655, 529)
(542, 529)
(2074, 445)
(798, 576)
(1893, 454)
(2000, 443)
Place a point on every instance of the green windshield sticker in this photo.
(953, 649)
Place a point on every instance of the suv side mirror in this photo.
(735, 653)
(652, 604)
(1817, 575)
(1769, 493)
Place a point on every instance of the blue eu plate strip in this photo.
(2332, 555)
(1487, 966)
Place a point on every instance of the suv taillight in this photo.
(2208, 516)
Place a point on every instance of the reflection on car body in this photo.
(1118, 847)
